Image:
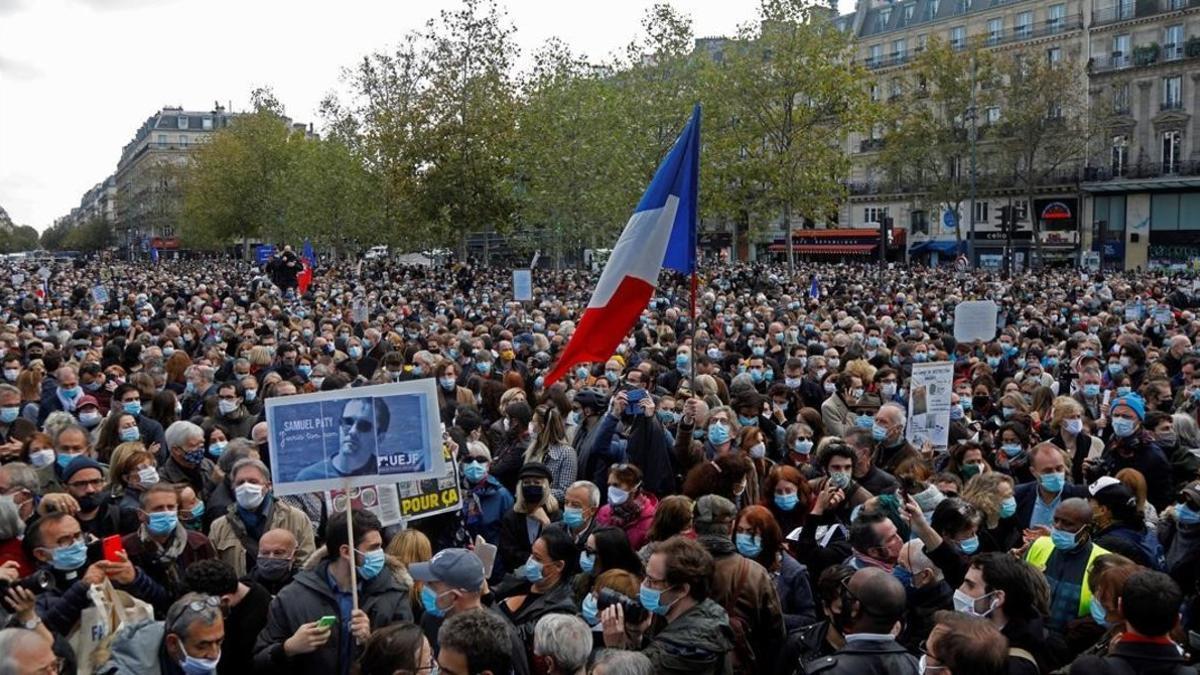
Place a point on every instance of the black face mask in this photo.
(978, 402)
(533, 494)
(89, 503)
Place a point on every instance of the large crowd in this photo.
(736, 494)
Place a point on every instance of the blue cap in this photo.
(1134, 402)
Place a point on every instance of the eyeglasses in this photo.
(207, 601)
(97, 483)
(362, 426)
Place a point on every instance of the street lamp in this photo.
(971, 114)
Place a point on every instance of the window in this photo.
(908, 11)
(995, 30)
(1172, 150)
(919, 222)
(899, 49)
(992, 115)
(183, 139)
(958, 37)
(895, 89)
(183, 121)
(874, 89)
(162, 139)
(885, 17)
(1056, 18)
(874, 55)
(981, 212)
(1173, 42)
(875, 214)
(934, 5)
(1178, 4)
(1172, 92)
(1120, 155)
(1121, 98)
(1023, 25)
(1054, 55)
(922, 42)
(1125, 9)
(207, 123)
(1120, 52)
(963, 6)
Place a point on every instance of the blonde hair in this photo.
(408, 547)
(861, 369)
(548, 500)
(260, 355)
(1063, 406)
(983, 492)
(124, 459)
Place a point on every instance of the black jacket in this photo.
(697, 642)
(1140, 657)
(867, 657)
(803, 646)
(309, 598)
(558, 600)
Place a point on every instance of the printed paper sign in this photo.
(975, 320)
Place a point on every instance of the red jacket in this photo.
(637, 528)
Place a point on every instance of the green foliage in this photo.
(21, 238)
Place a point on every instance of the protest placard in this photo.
(929, 403)
(409, 500)
(522, 285)
(99, 294)
(975, 320)
(348, 438)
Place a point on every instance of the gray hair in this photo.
(252, 463)
(592, 490)
(10, 521)
(565, 637)
(58, 422)
(181, 616)
(179, 433)
(237, 450)
(622, 662)
(9, 389)
(900, 412)
(21, 475)
(11, 640)
(1187, 431)
(204, 373)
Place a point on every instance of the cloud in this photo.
(17, 70)
(116, 5)
(11, 6)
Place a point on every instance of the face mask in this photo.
(1007, 412)
(969, 471)
(132, 407)
(748, 545)
(147, 476)
(587, 562)
(1186, 514)
(9, 414)
(227, 407)
(1052, 482)
(194, 456)
(904, 576)
(249, 495)
(864, 422)
(747, 421)
(787, 502)
(355, 352)
(251, 394)
(533, 494)
(888, 389)
(1123, 427)
(993, 361)
(878, 432)
(216, 448)
(162, 522)
(130, 435)
(969, 546)
(41, 458)
(1063, 540)
(372, 564)
(429, 600)
(11, 374)
(840, 479)
(617, 496)
(1168, 438)
(475, 471)
(271, 569)
(90, 419)
(65, 460)
(803, 446)
(70, 557)
(651, 599)
(1099, 614)
(830, 387)
(718, 434)
(833, 363)
(1011, 450)
(1091, 390)
(965, 604)
(792, 383)
(590, 610)
(1074, 426)
(758, 451)
(573, 516)
(1008, 507)
(448, 383)
(532, 571)
(957, 412)
(70, 394)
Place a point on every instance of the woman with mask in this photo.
(534, 509)
(967, 460)
(131, 472)
(38, 452)
(607, 548)
(702, 437)
(1185, 458)
(1179, 532)
(450, 395)
(1012, 451)
(992, 494)
(1106, 582)
(549, 446)
(399, 648)
(787, 496)
(486, 500)
(117, 428)
(541, 585)
(1118, 524)
(1068, 431)
(1132, 446)
(752, 443)
(625, 583)
(757, 536)
(629, 507)
(799, 449)
(951, 538)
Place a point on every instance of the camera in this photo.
(36, 583)
(634, 612)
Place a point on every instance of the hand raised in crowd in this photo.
(619, 403)
(58, 502)
(829, 498)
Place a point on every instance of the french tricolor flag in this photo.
(661, 233)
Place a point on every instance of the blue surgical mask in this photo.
(69, 558)
(448, 383)
(429, 600)
(1063, 540)
(969, 545)
(8, 415)
(651, 599)
(1114, 368)
(787, 502)
(129, 435)
(878, 432)
(532, 571)
(590, 610)
(748, 545)
(587, 562)
(1099, 614)
(1186, 514)
(573, 516)
(718, 434)
(1011, 450)
(194, 665)
(1091, 390)
(1007, 412)
(162, 522)
(1008, 506)
(581, 373)
(1053, 482)
(251, 394)
(64, 460)
(1123, 427)
(993, 361)
(216, 448)
(903, 575)
(133, 407)
(1123, 391)
(803, 446)
(474, 471)
(372, 564)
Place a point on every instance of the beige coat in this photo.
(228, 531)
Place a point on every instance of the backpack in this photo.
(743, 653)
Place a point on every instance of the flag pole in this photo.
(695, 243)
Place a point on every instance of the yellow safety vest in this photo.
(1039, 552)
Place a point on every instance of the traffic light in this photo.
(1006, 218)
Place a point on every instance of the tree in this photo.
(19, 238)
(927, 145)
(330, 197)
(1047, 124)
(797, 95)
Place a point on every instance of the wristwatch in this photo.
(33, 623)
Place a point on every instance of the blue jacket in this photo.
(494, 501)
(795, 594)
(608, 448)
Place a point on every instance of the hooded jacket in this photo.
(135, 650)
(697, 642)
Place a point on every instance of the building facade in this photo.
(1140, 60)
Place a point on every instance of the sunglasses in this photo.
(362, 426)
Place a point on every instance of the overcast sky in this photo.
(78, 77)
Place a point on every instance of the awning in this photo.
(826, 249)
(944, 247)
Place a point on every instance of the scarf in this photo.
(166, 556)
(627, 513)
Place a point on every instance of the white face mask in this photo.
(249, 495)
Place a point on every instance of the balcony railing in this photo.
(893, 59)
(1142, 171)
(1144, 56)
(1123, 11)
(1171, 105)
(1114, 61)
(1040, 29)
(1066, 176)
(871, 145)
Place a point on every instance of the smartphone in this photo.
(327, 621)
(111, 546)
(635, 396)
